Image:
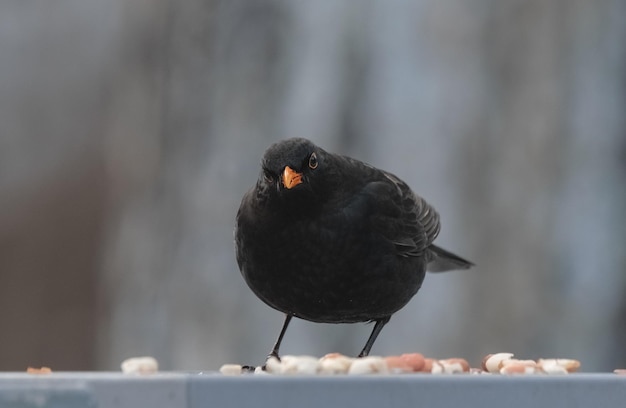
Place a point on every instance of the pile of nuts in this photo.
(335, 363)
(504, 363)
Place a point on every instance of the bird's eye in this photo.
(268, 176)
(313, 161)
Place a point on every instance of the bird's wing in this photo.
(397, 213)
(417, 225)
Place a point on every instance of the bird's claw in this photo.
(273, 354)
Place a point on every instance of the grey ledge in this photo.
(192, 390)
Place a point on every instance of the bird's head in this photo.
(293, 168)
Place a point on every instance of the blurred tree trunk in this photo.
(52, 182)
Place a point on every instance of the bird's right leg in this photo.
(274, 352)
(378, 326)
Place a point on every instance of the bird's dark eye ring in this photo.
(313, 161)
(269, 177)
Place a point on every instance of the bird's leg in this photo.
(380, 323)
(274, 352)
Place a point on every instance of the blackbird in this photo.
(330, 239)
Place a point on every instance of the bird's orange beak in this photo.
(291, 178)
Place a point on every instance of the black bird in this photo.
(330, 239)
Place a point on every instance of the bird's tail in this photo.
(443, 261)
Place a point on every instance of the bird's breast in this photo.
(325, 269)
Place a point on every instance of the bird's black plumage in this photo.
(330, 239)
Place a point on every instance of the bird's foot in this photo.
(274, 354)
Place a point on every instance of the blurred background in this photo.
(130, 130)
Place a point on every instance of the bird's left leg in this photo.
(380, 323)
